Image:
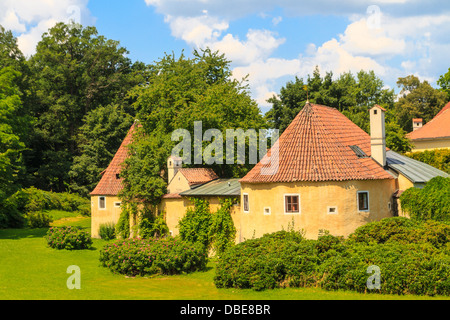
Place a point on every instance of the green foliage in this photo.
(107, 231)
(222, 231)
(123, 224)
(153, 227)
(69, 238)
(413, 258)
(431, 202)
(438, 158)
(444, 83)
(38, 219)
(196, 224)
(143, 257)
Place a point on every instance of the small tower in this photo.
(417, 123)
(377, 135)
(173, 164)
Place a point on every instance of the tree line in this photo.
(65, 110)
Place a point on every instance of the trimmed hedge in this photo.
(69, 238)
(143, 257)
(414, 258)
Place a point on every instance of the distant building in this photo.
(435, 134)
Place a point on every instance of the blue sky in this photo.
(271, 41)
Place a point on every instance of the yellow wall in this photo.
(178, 184)
(107, 215)
(422, 145)
(403, 183)
(315, 197)
(174, 210)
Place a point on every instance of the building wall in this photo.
(99, 216)
(422, 145)
(178, 184)
(315, 197)
(174, 210)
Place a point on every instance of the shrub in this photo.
(195, 225)
(38, 219)
(439, 158)
(143, 257)
(413, 256)
(68, 237)
(431, 202)
(107, 231)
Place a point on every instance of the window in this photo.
(117, 204)
(292, 203)
(363, 200)
(266, 210)
(332, 210)
(374, 111)
(101, 202)
(246, 207)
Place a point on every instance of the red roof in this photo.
(316, 147)
(110, 183)
(438, 127)
(196, 176)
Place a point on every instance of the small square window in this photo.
(117, 204)
(267, 211)
(363, 200)
(374, 111)
(332, 210)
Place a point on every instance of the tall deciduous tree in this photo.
(75, 71)
(418, 100)
(181, 91)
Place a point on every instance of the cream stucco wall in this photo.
(422, 145)
(178, 184)
(174, 210)
(315, 198)
(99, 216)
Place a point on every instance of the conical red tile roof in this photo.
(110, 183)
(316, 146)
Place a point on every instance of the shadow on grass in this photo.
(15, 234)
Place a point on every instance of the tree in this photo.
(181, 91)
(75, 71)
(444, 83)
(418, 100)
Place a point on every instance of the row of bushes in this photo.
(410, 262)
(27, 207)
(143, 257)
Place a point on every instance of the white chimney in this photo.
(377, 135)
(417, 123)
(173, 164)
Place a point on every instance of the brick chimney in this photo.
(417, 124)
(377, 135)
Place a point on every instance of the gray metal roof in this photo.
(218, 187)
(415, 171)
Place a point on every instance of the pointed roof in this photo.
(438, 127)
(320, 144)
(110, 183)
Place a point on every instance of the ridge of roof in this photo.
(435, 128)
(316, 147)
(198, 175)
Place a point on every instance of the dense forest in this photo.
(65, 110)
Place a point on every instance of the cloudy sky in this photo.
(271, 41)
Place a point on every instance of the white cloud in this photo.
(29, 19)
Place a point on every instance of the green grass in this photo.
(30, 270)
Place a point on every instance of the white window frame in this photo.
(299, 202)
(368, 201)
(99, 207)
(335, 211)
(117, 204)
(267, 213)
(248, 202)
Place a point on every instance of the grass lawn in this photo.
(30, 270)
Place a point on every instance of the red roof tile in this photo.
(110, 184)
(438, 127)
(316, 147)
(196, 176)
